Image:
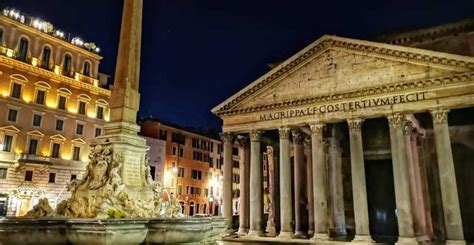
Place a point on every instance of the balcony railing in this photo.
(32, 158)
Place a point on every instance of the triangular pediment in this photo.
(36, 133)
(58, 137)
(78, 141)
(334, 65)
(10, 128)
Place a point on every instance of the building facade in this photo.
(191, 166)
(53, 103)
(388, 126)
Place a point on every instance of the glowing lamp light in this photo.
(96, 83)
(10, 53)
(34, 61)
(57, 70)
(18, 151)
(72, 110)
(39, 24)
(77, 41)
(51, 104)
(59, 33)
(27, 98)
(4, 93)
(66, 157)
(76, 76)
(174, 170)
(97, 50)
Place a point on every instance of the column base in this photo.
(362, 239)
(320, 237)
(455, 242)
(242, 231)
(310, 233)
(300, 234)
(285, 235)
(406, 240)
(423, 238)
(255, 233)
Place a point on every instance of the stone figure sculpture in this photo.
(41, 209)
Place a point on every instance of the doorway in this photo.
(381, 200)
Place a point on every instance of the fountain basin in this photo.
(16, 230)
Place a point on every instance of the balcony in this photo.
(86, 79)
(32, 158)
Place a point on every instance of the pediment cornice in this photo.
(453, 62)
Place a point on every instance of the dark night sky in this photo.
(196, 53)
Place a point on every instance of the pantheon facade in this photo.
(372, 141)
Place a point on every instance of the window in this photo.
(28, 175)
(52, 178)
(181, 152)
(236, 178)
(3, 173)
(40, 94)
(98, 132)
(152, 172)
(178, 138)
(7, 143)
(79, 129)
(76, 153)
(59, 124)
(73, 176)
(23, 49)
(235, 151)
(46, 57)
(33, 146)
(62, 103)
(211, 162)
(82, 108)
(55, 152)
(1, 37)
(67, 65)
(181, 172)
(87, 69)
(236, 164)
(174, 150)
(180, 189)
(163, 134)
(100, 112)
(12, 115)
(196, 174)
(37, 120)
(16, 90)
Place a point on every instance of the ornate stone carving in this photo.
(298, 137)
(227, 137)
(440, 115)
(42, 209)
(284, 132)
(355, 124)
(256, 135)
(396, 120)
(307, 142)
(317, 128)
(408, 128)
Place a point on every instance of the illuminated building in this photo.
(53, 103)
(194, 171)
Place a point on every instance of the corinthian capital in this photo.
(316, 128)
(256, 135)
(284, 132)
(440, 115)
(242, 141)
(227, 137)
(355, 124)
(396, 120)
(298, 137)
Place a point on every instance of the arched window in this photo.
(23, 49)
(1, 37)
(46, 57)
(67, 65)
(86, 71)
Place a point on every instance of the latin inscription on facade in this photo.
(344, 106)
(132, 169)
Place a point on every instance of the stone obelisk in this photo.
(122, 128)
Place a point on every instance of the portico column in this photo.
(401, 158)
(244, 185)
(447, 177)
(299, 174)
(359, 189)
(286, 211)
(336, 188)
(309, 185)
(319, 172)
(256, 184)
(227, 139)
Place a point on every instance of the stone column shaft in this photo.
(244, 186)
(319, 173)
(336, 188)
(256, 184)
(401, 159)
(309, 185)
(299, 180)
(359, 189)
(286, 208)
(227, 139)
(447, 177)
